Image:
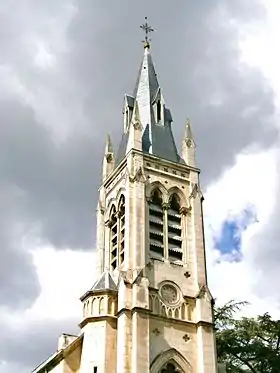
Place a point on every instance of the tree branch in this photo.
(244, 362)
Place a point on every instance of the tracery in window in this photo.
(174, 229)
(156, 218)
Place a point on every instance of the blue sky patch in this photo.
(229, 241)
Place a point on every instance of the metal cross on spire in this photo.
(147, 29)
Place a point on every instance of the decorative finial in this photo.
(147, 29)
(188, 131)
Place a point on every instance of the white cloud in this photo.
(242, 186)
(259, 47)
(64, 276)
(251, 182)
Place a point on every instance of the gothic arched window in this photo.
(174, 227)
(117, 234)
(121, 237)
(113, 238)
(156, 218)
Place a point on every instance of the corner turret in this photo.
(188, 146)
(109, 159)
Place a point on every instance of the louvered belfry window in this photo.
(117, 234)
(156, 219)
(165, 227)
(174, 229)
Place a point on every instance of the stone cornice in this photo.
(167, 163)
(97, 292)
(195, 324)
(92, 319)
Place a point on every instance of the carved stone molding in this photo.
(204, 293)
(132, 276)
(127, 276)
(186, 337)
(150, 265)
(108, 223)
(109, 157)
(156, 332)
(137, 276)
(187, 274)
(195, 191)
(137, 125)
(165, 205)
(139, 176)
(185, 210)
(189, 143)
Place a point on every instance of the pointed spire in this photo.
(136, 121)
(108, 161)
(156, 135)
(188, 146)
(135, 131)
(188, 134)
(109, 146)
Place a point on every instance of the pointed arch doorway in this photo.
(170, 361)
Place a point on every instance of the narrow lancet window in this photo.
(113, 239)
(122, 230)
(174, 230)
(117, 234)
(156, 225)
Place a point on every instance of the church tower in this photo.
(150, 310)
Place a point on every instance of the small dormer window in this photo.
(158, 111)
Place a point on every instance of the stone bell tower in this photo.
(151, 309)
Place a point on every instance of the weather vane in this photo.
(147, 29)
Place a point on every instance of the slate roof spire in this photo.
(155, 117)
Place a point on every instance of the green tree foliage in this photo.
(250, 345)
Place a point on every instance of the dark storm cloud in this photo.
(197, 56)
(19, 285)
(52, 178)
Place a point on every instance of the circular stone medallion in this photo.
(169, 294)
